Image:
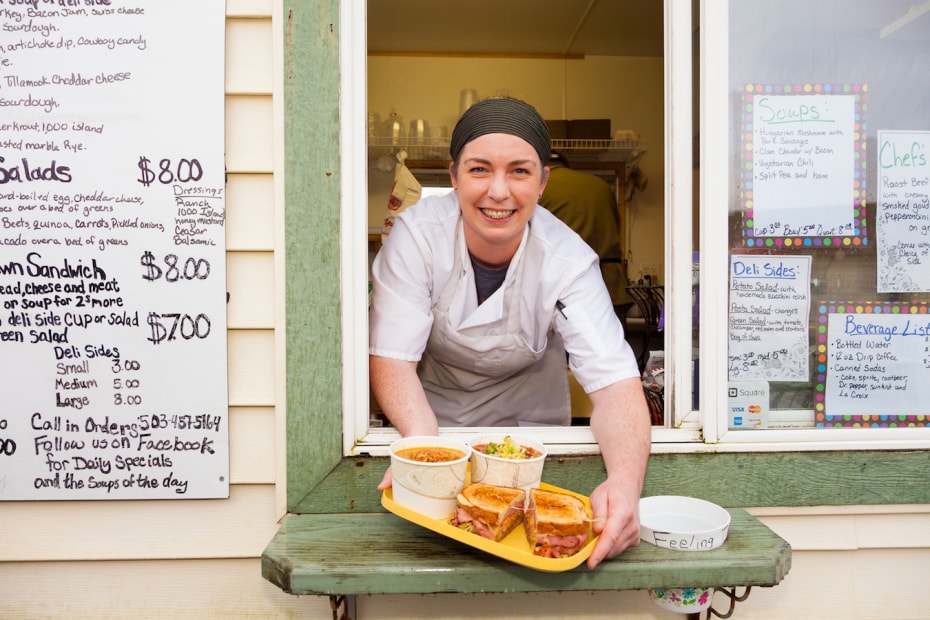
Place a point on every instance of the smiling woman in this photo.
(499, 179)
(499, 149)
(477, 298)
(466, 333)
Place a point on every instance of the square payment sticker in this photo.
(749, 404)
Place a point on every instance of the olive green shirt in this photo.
(588, 205)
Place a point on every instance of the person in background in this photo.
(588, 205)
(478, 295)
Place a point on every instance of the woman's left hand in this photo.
(616, 521)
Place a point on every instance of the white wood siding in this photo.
(821, 584)
(200, 558)
(189, 558)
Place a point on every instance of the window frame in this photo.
(715, 156)
(323, 380)
(358, 438)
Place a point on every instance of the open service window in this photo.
(761, 66)
(366, 432)
(816, 137)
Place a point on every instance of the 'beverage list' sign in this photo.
(877, 356)
(112, 250)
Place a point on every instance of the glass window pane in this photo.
(829, 218)
(418, 84)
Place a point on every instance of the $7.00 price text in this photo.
(176, 324)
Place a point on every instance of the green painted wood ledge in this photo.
(348, 544)
(383, 554)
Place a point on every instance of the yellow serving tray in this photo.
(514, 547)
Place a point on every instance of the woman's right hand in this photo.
(386, 481)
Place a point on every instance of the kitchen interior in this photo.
(593, 68)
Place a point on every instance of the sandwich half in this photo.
(557, 524)
(488, 510)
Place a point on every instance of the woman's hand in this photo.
(616, 521)
(386, 481)
(620, 422)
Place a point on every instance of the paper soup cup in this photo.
(524, 474)
(428, 488)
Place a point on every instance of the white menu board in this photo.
(768, 327)
(112, 250)
(877, 363)
(803, 166)
(903, 215)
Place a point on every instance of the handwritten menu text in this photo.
(903, 214)
(801, 156)
(877, 363)
(112, 250)
(768, 324)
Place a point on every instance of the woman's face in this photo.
(499, 179)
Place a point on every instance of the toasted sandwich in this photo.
(557, 524)
(488, 510)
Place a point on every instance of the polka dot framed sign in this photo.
(802, 166)
(871, 364)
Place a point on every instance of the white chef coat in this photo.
(426, 251)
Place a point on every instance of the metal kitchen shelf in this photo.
(574, 150)
(600, 150)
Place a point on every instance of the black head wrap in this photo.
(502, 115)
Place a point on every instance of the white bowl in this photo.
(428, 488)
(524, 474)
(682, 523)
(682, 600)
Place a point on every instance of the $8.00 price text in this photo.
(174, 271)
(184, 171)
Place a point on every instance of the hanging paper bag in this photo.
(405, 191)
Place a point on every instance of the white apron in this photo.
(490, 374)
